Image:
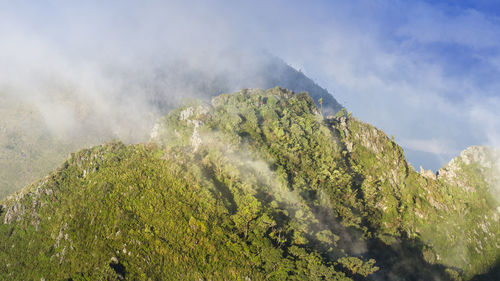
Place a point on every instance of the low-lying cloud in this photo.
(422, 72)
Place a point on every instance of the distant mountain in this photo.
(35, 138)
(255, 71)
(254, 185)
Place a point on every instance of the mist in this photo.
(93, 71)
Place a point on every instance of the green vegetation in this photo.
(455, 217)
(256, 185)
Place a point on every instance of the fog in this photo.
(93, 71)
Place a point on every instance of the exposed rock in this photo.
(186, 113)
(427, 173)
(195, 137)
(155, 131)
(114, 260)
(482, 160)
(340, 122)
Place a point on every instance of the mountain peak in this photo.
(256, 184)
(475, 166)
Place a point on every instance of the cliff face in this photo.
(253, 185)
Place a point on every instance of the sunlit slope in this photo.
(455, 214)
(254, 185)
(184, 210)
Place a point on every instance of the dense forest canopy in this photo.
(255, 185)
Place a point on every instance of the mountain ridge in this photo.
(266, 173)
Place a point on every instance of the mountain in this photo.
(454, 213)
(174, 80)
(255, 185)
(39, 128)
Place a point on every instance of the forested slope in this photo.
(256, 185)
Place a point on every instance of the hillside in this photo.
(255, 185)
(454, 213)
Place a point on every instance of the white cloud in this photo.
(434, 146)
(378, 57)
(391, 74)
(468, 27)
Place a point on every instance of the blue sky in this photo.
(426, 72)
